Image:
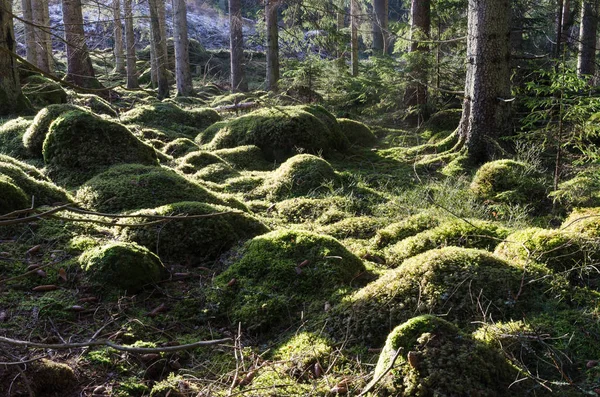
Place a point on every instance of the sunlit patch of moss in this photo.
(131, 387)
(96, 104)
(406, 228)
(357, 133)
(196, 160)
(180, 147)
(463, 233)
(45, 193)
(339, 139)
(361, 227)
(243, 184)
(34, 137)
(302, 352)
(303, 209)
(579, 191)
(248, 157)
(217, 172)
(12, 197)
(173, 386)
(583, 220)
(11, 137)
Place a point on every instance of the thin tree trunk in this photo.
(162, 21)
(182, 56)
(380, 25)
(12, 100)
(271, 7)
(486, 107)
(47, 36)
(159, 49)
(586, 62)
(39, 19)
(79, 63)
(559, 29)
(236, 46)
(420, 30)
(132, 77)
(354, 37)
(340, 22)
(118, 31)
(29, 32)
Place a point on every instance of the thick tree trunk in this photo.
(354, 37)
(79, 64)
(159, 44)
(420, 30)
(30, 46)
(271, 7)
(118, 31)
(380, 25)
(586, 62)
(12, 100)
(183, 74)
(132, 77)
(40, 19)
(236, 47)
(486, 110)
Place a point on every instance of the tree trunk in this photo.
(380, 25)
(271, 7)
(486, 110)
(159, 49)
(12, 100)
(132, 77)
(420, 30)
(586, 62)
(354, 37)
(559, 29)
(118, 31)
(47, 36)
(79, 65)
(162, 21)
(30, 46)
(182, 56)
(39, 12)
(236, 47)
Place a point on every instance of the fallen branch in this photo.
(371, 385)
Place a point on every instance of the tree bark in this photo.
(183, 74)
(118, 31)
(79, 64)
(586, 61)
(486, 112)
(559, 29)
(380, 25)
(30, 46)
(420, 30)
(159, 49)
(39, 12)
(271, 7)
(236, 47)
(354, 37)
(12, 100)
(132, 77)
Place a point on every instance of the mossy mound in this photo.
(80, 145)
(195, 161)
(406, 228)
(218, 173)
(301, 175)
(122, 266)
(34, 137)
(304, 209)
(444, 120)
(434, 358)
(361, 227)
(585, 221)
(192, 241)
(25, 167)
(247, 157)
(282, 273)
(11, 137)
(46, 376)
(96, 104)
(44, 192)
(231, 99)
(187, 101)
(454, 281)
(469, 234)
(562, 251)
(583, 190)
(278, 132)
(357, 133)
(242, 184)
(339, 140)
(509, 181)
(12, 197)
(302, 352)
(41, 91)
(180, 147)
(170, 116)
(134, 186)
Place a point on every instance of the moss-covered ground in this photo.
(336, 255)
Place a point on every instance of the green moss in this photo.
(192, 241)
(187, 101)
(230, 99)
(218, 173)
(44, 192)
(357, 133)
(242, 184)
(579, 191)
(122, 266)
(457, 166)
(302, 351)
(197, 160)
(96, 104)
(25, 167)
(445, 120)
(34, 137)
(583, 220)
(170, 116)
(303, 209)
(132, 186)
(50, 376)
(248, 157)
(282, 273)
(436, 359)
(278, 132)
(406, 228)
(80, 145)
(11, 137)
(361, 227)
(12, 197)
(509, 181)
(455, 281)
(172, 387)
(339, 139)
(301, 175)
(42, 91)
(471, 234)
(180, 147)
